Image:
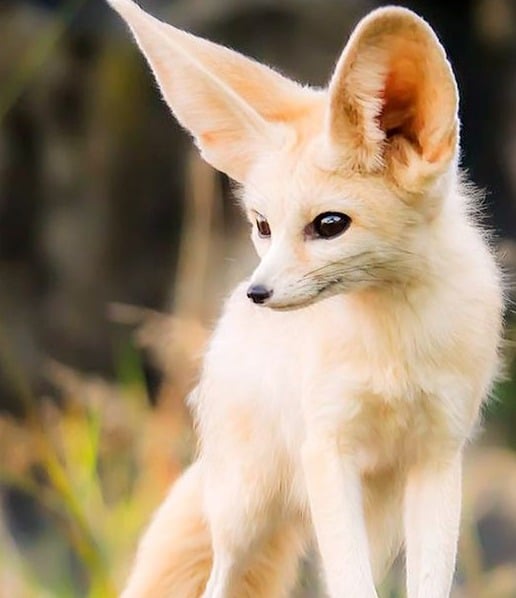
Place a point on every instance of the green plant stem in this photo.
(79, 531)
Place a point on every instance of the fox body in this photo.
(345, 377)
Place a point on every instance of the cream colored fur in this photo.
(342, 405)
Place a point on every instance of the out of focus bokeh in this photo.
(118, 245)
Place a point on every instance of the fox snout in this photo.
(259, 293)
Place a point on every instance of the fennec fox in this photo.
(346, 376)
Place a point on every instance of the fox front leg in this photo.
(230, 539)
(432, 514)
(239, 519)
(222, 576)
(335, 495)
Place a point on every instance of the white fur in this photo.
(343, 404)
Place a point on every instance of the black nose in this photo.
(258, 293)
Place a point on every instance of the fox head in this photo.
(345, 186)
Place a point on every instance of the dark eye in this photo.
(264, 230)
(329, 224)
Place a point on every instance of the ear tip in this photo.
(120, 3)
(396, 17)
(398, 20)
(392, 11)
(123, 7)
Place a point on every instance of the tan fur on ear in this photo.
(393, 98)
(234, 107)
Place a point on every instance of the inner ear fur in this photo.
(393, 97)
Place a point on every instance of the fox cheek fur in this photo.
(347, 418)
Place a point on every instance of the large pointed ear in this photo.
(234, 107)
(393, 99)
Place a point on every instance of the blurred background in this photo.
(118, 245)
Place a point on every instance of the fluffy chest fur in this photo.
(389, 375)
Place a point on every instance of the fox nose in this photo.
(258, 293)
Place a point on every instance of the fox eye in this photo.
(264, 230)
(328, 225)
